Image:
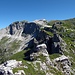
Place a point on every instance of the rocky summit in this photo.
(40, 47)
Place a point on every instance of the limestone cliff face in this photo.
(19, 28)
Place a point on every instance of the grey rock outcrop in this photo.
(14, 27)
(40, 49)
(22, 27)
(57, 25)
(58, 45)
(42, 23)
(55, 44)
(7, 67)
(65, 64)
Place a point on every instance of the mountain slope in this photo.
(45, 48)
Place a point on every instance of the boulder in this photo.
(41, 47)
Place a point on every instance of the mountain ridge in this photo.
(51, 44)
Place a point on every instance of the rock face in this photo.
(58, 45)
(39, 39)
(31, 28)
(55, 44)
(40, 49)
(18, 28)
(13, 28)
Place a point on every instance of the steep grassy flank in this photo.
(7, 48)
(14, 45)
(2, 49)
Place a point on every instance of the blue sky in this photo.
(14, 10)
